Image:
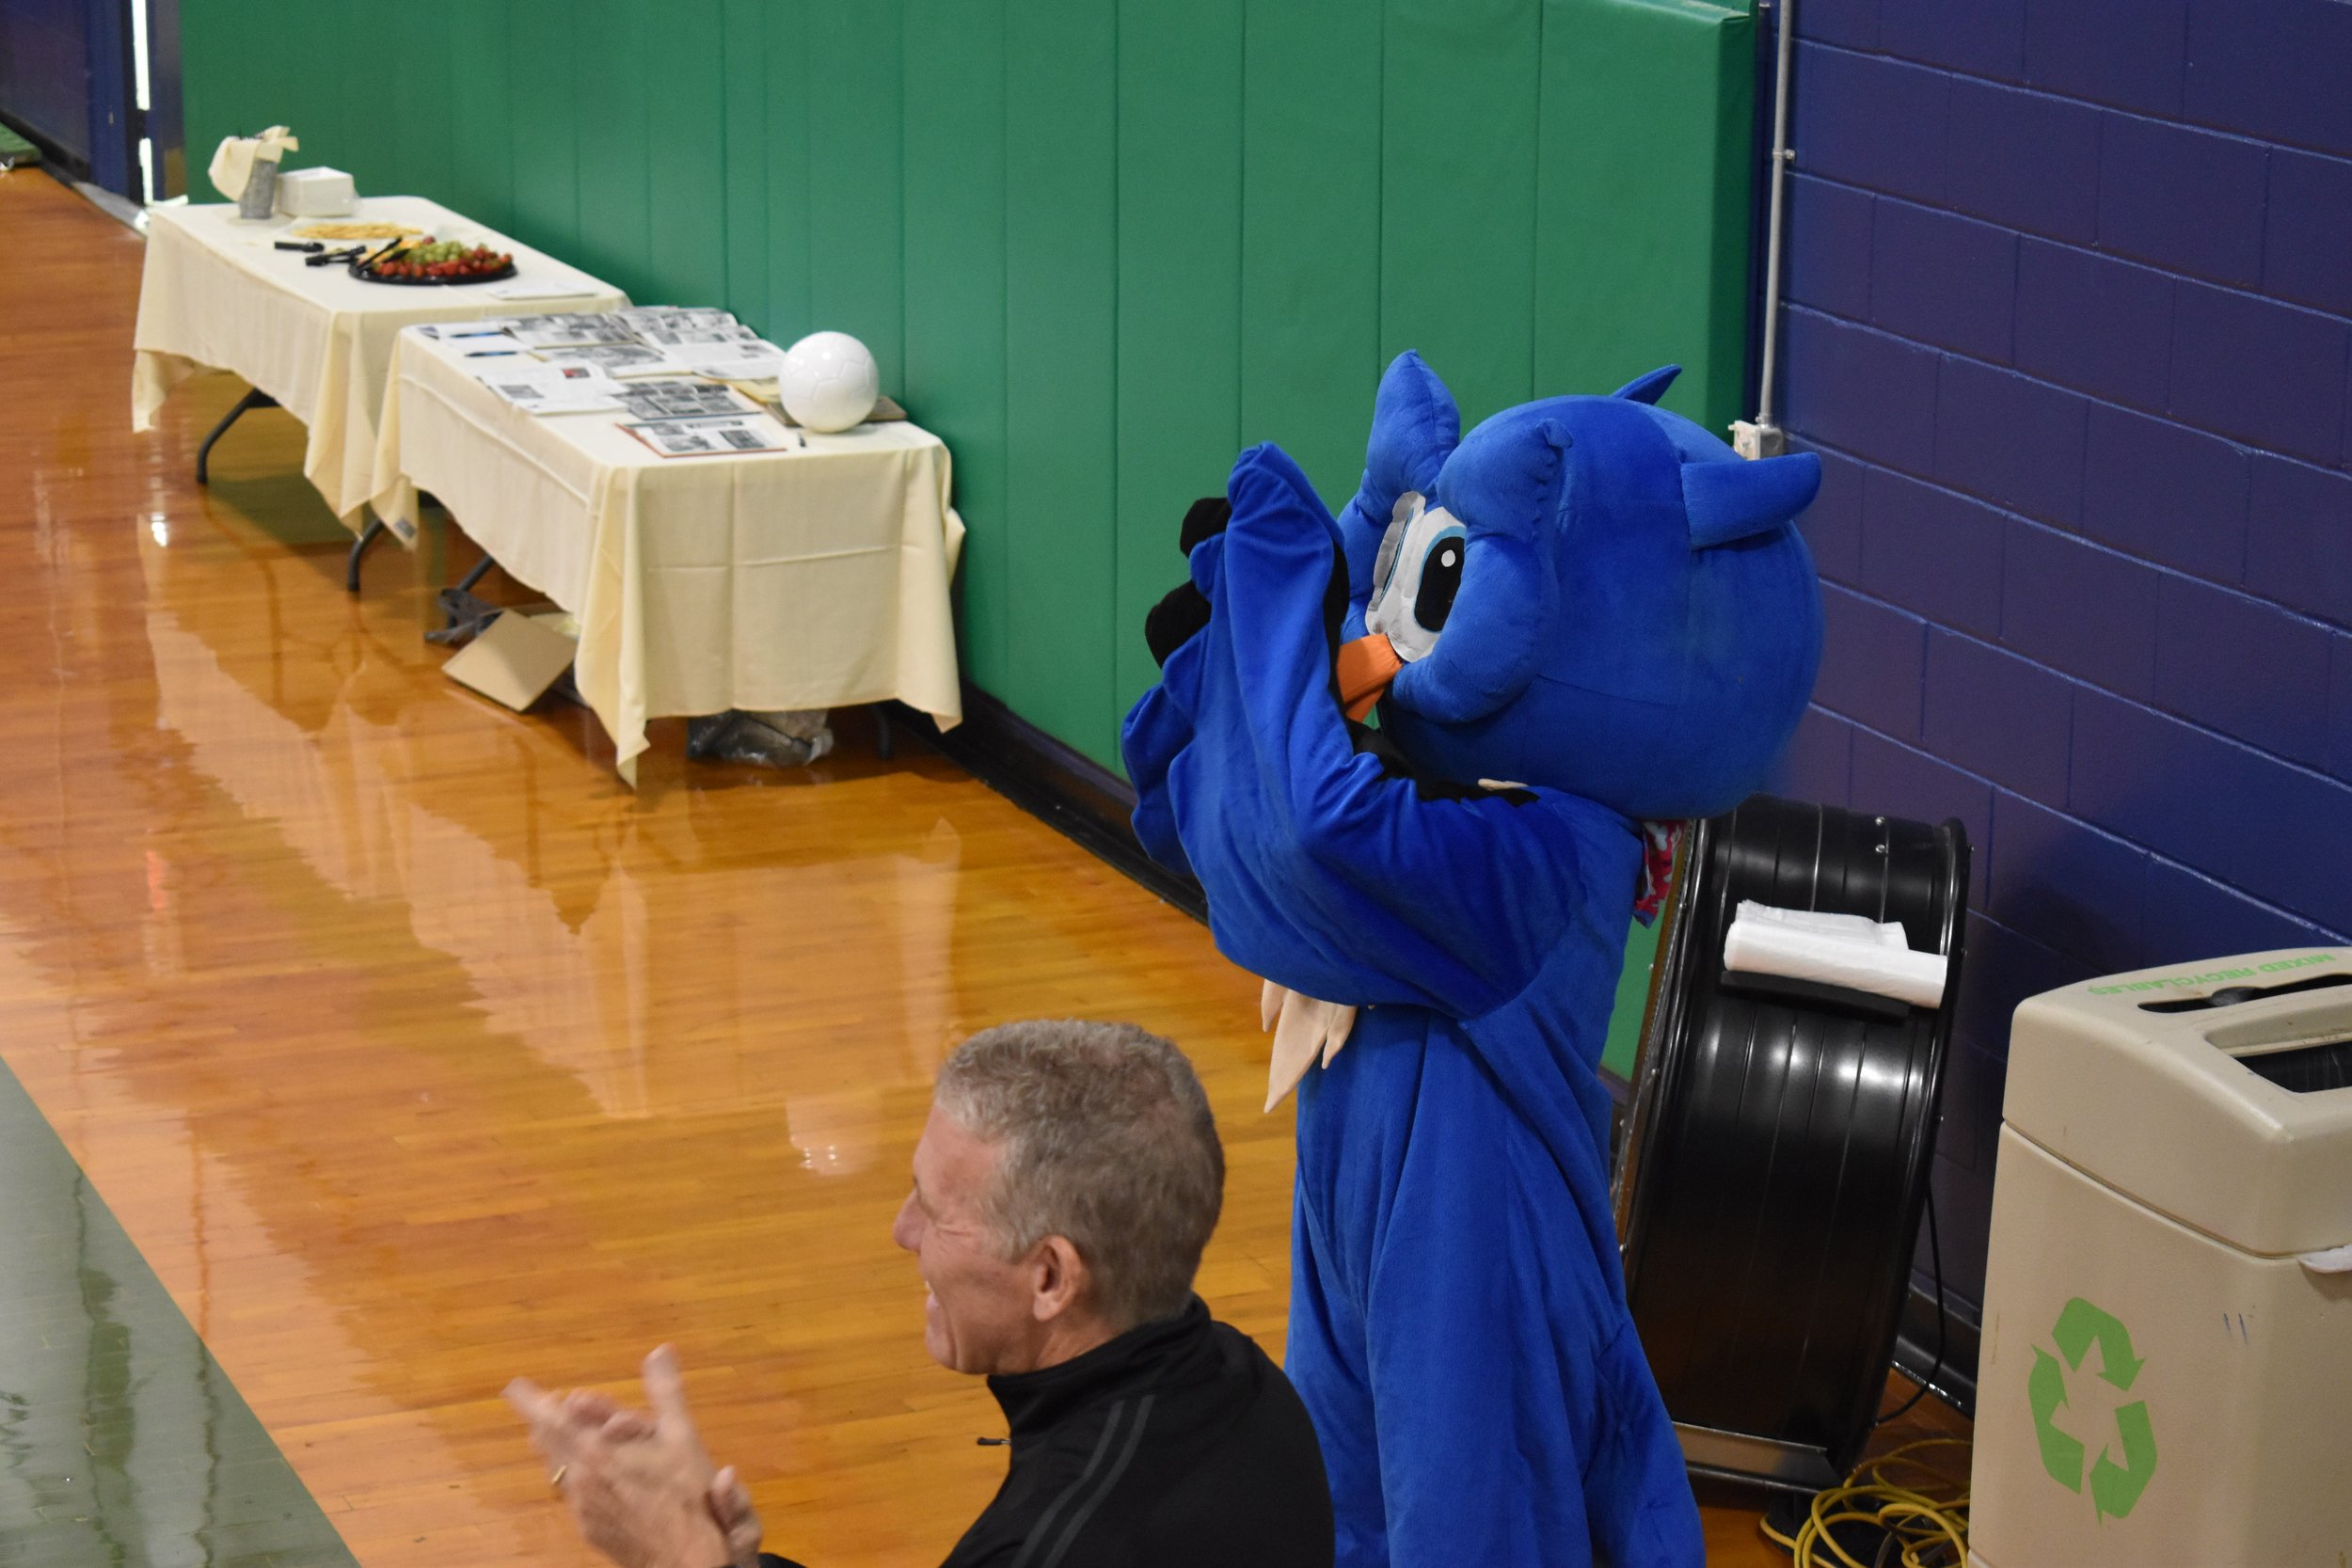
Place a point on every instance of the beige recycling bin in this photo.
(2165, 1378)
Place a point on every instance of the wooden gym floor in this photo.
(413, 1052)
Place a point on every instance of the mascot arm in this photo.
(1448, 904)
(1453, 904)
(1161, 723)
(1155, 730)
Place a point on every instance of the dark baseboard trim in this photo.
(1067, 790)
(1955, 1380)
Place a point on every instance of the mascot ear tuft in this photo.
(1736, 498)
(1415, 427)
(1651, 387)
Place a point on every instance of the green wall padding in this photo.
(1097, 245)
(1061, 359)
(1641, 235)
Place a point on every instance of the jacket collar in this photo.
(1036, 1402)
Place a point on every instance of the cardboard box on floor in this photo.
(514, 660)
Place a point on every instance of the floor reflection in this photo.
(571, 982)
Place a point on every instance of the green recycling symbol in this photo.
(2115, 1488)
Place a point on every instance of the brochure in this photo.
(620, 358)
(539, 389)
(567, 329)
(682, 400)
(675, 316)
(712, 437)
(743, 359)
(669, 335)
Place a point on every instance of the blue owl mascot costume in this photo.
(1584, 618)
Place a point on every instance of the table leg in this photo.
(368, 536)
(253, 399)
(466, 616)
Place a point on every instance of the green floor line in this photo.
(122, 1443)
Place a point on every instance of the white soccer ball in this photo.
(829, 381)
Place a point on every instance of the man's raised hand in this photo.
(640, 1486)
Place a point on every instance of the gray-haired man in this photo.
(1064, 1187)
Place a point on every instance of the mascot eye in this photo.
(1440, 580)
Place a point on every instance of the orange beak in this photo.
(1365, 667)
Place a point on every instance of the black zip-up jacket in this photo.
(1177, 1445)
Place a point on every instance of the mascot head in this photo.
(1586, 592)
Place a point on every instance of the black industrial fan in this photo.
(1776, 1148)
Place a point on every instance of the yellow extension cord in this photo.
(1930, 1525)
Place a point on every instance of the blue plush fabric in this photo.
(1632, 637)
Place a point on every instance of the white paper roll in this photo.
(1833, 950)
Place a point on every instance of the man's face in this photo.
(977, 1316)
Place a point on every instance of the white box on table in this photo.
(316, 193)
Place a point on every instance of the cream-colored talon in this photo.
(556, 1481)
(1305, 1030)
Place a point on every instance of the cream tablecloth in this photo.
(217, 295)
(815, 578)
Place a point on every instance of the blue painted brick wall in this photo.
(2069, 323)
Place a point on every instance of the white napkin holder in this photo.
(233, 168)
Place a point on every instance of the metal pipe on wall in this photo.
(1761, 437)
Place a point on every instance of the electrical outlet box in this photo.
(1749, 439)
